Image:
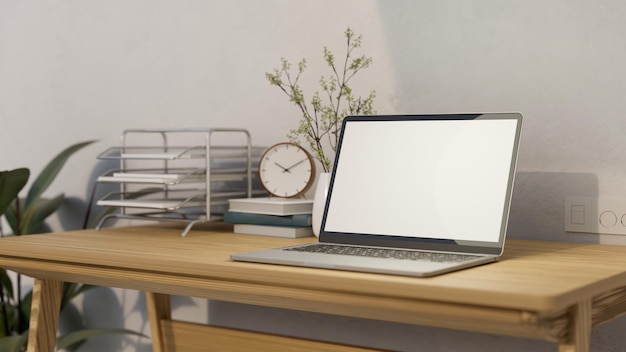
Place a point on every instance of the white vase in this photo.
(319, 201)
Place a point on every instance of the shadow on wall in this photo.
(74, 209)
(102, 308)
(538, 205)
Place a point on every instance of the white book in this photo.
(272, 206)
(276, 231)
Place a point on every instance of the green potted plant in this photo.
(321, 117)
(27, 216)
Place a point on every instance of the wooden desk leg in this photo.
(158, 306)
(579, 335)
(44, 315)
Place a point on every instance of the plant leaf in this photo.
(49, 173)
(24, 311)
(10, 215)
(13, 343)
(11, 183)
(71, 290)
(7, 323)
(6, 285)
(80, 335)
(35, 215)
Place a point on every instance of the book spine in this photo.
(274, 231)
(299, 220)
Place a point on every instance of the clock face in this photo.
(286, 170)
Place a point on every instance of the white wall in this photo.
(73, 70)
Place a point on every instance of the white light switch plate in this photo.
(595, 215)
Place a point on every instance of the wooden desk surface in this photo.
(533, 276)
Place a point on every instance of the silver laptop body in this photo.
(416, 195)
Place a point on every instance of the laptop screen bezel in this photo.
(366, 239)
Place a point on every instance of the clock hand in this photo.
(298, 163)
(282, 167)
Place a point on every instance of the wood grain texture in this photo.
(529, 293)
(159, 308)
(579, 330)
(432, 313)
(44, 317)
(575, 269)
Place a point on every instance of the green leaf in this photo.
(37, 212)
(71, 290)
(10, 216)
(13, 343)
(6, 285)
(25, 311)
(11, 183)
(70, 339)
(49, 173)
(7, 323)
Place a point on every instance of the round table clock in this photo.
(286, 170)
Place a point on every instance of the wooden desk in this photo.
(543, 290)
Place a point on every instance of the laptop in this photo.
(414, 195)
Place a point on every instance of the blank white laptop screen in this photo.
(433, 179)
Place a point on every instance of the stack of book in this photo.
(270, 216)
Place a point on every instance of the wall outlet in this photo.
(595, 215)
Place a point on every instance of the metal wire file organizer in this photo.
(188, 182)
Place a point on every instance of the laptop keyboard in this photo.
(384, 253)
